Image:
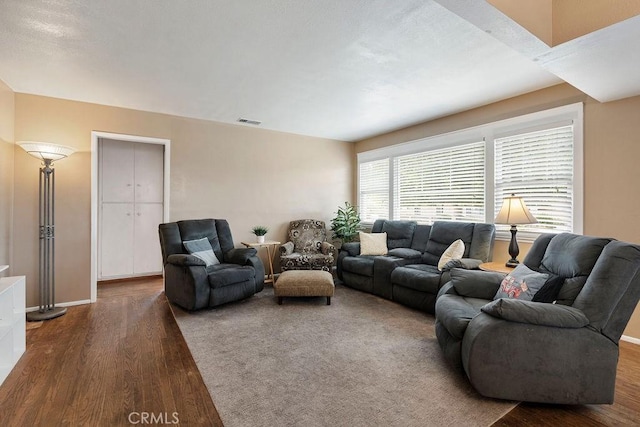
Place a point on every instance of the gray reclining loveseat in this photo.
(413, 250)
(561, 351)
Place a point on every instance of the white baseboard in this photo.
(630, 339)
(68, 304)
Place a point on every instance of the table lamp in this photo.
(514, 212)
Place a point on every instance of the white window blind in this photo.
(443, 184)
(538, 156)
(373, 181)
(538, 166)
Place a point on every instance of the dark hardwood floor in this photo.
(110, 363)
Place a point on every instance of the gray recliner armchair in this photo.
(563, 352)
(189, 282)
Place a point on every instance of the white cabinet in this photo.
(116, 171)
(12, 323)
(116, 240)
(149, 167)
(148, 257)
(131, 207)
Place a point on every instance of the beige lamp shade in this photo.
(46, 151)
(514, 211)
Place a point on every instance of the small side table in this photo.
(498, 267)
(271, 246)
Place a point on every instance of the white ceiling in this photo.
(339, 69)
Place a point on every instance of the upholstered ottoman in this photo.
(304, 283)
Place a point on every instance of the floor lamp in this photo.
(48, 153)
(514, 212)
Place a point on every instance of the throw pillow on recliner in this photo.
(373, 243)
(454, 251)
(202, 249)
(522, 283)
(549, 292)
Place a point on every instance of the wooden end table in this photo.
(498, 267)
(272, 247)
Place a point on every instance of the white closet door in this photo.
(149, 172)
(131, 194)
(117, 171)
(146, 242)
(116, 239)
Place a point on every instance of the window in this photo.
(446, 184)
(373, 179)
(465, 175)
(539, 167)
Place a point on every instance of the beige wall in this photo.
(575, 18)
(246, 175)
(7, 102)
(558, 21)
(611, 153)
(534, 15)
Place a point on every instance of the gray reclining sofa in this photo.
(408, 274)
(565, 352)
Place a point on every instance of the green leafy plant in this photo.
(259, 230)
(346, 223)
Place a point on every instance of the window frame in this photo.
(572, 113)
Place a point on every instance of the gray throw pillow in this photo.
(202, 249)
(522, 283)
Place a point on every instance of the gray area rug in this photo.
(362, 361)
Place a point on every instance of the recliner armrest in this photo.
(476, 283)
(239, 256)
(353, 248)
(466, 263)
(536, 313)
(185, 260)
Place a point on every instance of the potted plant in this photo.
(346, 223)
(260, 231)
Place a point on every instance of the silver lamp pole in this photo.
(47, 256)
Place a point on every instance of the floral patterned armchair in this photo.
(307, 248)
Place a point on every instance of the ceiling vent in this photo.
(249, 121)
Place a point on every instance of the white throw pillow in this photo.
(454, 251)
(373, 244)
